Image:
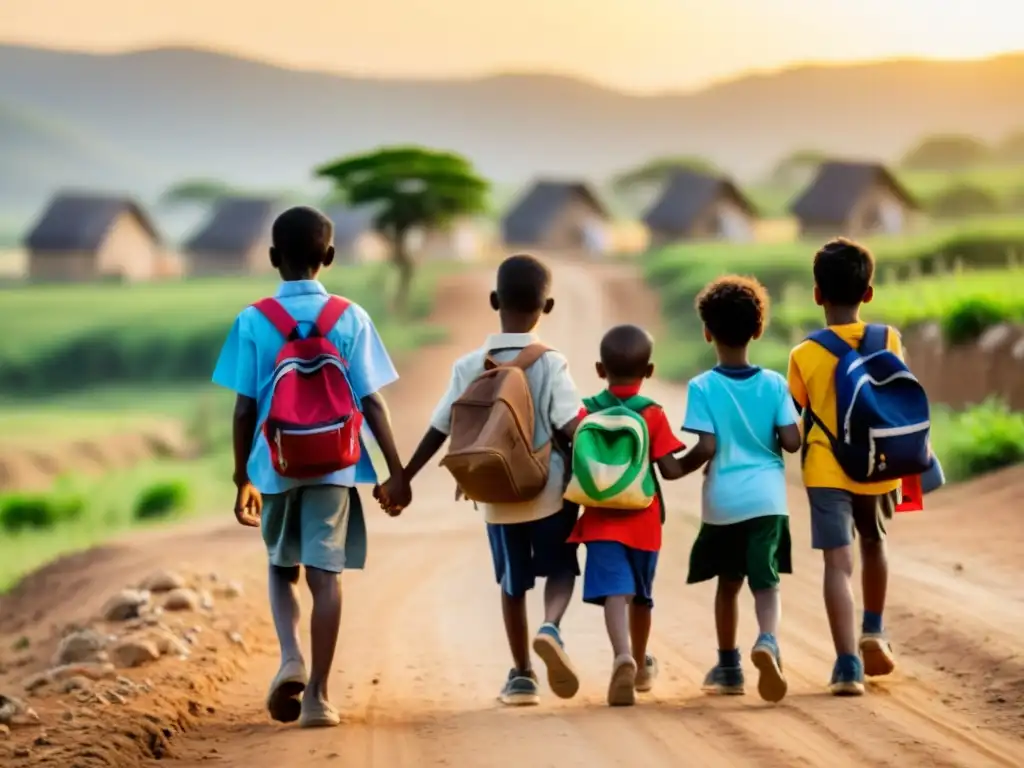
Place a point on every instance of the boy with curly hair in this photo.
(744, 418)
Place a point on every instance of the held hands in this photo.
(248, 505)
(393, 496)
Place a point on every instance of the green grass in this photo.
(166, 332)
(981, 438)
(109, 509)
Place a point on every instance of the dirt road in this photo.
(423, 653)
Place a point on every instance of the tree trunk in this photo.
(406, 271)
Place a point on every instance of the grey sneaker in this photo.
(520, 689)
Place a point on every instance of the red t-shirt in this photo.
(640, 529)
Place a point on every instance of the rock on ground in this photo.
(163, 581)
(181, 600)
(134, 653)
(126, 604)
(83, 645)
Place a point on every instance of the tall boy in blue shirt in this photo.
(744, 419)
(316, 523)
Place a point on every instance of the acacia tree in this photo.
(411, 188)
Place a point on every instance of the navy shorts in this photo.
(615, 569)
(524, 552)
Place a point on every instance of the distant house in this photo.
(853, 199)
(355, 239)
(461, 240)
(557, 216)
(699, 206)
(234, 240)
(83, 236)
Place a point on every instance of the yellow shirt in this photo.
(811, 377)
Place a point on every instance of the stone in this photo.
(230, 590)
(125, 605)
(77, 684)
(206, 601)
(163, 581)
(116, 697)
(15, 712)
(5, 732)
(169, 644)
(83, 645)
(134, 653)
(97, 671)
(22, 752)
(181, 600)
(37, 681)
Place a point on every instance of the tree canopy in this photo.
(410, 187)
(192, 191)
(797, 167)
(947, 153)
(658, 170)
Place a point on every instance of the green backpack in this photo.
(611, 455)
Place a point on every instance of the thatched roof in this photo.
(80, 221)
(686, 196)
(350, 223)
(838, 186)
(528, 220)
(235, 226)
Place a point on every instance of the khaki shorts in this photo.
(838, 515)
(318, 526)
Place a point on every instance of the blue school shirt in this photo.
(742, 408)
(246, 366)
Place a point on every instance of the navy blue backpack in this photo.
(882, 414)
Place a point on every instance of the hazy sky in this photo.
(637, 44)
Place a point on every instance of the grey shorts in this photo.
(319, 526)
(838, 515)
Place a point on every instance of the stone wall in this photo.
(970, 373)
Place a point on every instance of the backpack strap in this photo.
(876, 339)
(285, 324)
(330, 314)
(831, 341)
(527, 357)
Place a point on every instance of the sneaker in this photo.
(284, 699)
(622, 686)
(847, 677)
(520, 690)
(771, 683)
(317, 713)
(562, 677)
(724, 681)
(646, 674)
(876, 651)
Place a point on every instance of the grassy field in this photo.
(1006, 185)
(164, 332)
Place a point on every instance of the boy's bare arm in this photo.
(431, 443)
(375, 411)
(675, 467)
(248, 501)
(789, 438)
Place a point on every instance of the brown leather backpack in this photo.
(490, 444)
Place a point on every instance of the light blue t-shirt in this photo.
(246, 366)
(743, 408)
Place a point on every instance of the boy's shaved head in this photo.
(626, 352)
(302, 239)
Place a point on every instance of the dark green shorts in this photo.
(758, 549)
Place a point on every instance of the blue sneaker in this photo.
(562, 677)
(771, 683)
(724, 681)
(847, 677)
(520, 690)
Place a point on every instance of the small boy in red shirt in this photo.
(623, 546)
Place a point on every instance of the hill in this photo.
(207, 114)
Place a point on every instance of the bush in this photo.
(962, 201)
(966, 321)
(161, 500)
(38, 511)
(980, 439)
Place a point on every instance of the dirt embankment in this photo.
(32, 468)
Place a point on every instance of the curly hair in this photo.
(734, 309)
(843, 271)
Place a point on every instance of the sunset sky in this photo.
(634, 44)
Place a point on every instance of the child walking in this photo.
(744, 418)
(623, 544)
(842, 507)
(528, 531)
(298, 484)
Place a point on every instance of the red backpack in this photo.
(314, 420)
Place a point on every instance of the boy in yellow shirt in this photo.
(840, 507)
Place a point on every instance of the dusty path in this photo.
(423, 652)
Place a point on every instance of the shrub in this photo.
(161, 500)
(966, 321)
(980, 439)
(962, 201)
(38, 511)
